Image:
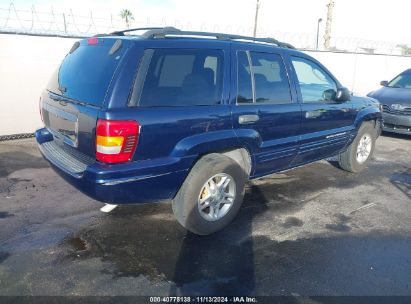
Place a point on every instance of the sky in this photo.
(364, 19)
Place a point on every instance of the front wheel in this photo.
(211, 195)
(359, 152)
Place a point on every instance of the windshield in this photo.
(401, 81)
(86, 72)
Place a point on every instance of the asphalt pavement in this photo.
(315, 230)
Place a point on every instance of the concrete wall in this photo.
(362, 73)
(26, 63)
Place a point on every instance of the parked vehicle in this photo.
(395, 97)
(191, 116)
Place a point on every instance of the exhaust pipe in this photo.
(107, 208)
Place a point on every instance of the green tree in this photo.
(127, 16)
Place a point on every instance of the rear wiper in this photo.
(65, 99)
(62, 89)
(56, 97)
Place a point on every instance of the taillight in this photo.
(116, 140)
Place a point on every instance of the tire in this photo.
(202, 182)
(355, 162)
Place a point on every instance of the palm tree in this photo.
(127, 16)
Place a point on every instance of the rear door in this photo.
(326, 124)
(77, 90)
(266, 115)
(179, 98)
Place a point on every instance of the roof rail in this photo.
(163, 32)
(147, 29)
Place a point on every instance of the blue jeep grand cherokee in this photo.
(191, 116)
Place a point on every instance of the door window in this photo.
(315, 84)
(244, 80)
(266, 74)
(270, 78)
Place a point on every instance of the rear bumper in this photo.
(397, 123)
(127, 183)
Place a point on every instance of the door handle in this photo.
(246, 119)
(313, 114)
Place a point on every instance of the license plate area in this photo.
(63, 125)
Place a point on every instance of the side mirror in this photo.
(343, 94)
(384, 83)
(329, 95)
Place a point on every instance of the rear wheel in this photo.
(211, 195)
(359, 153)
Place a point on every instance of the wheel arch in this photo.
(224, 142)
(239, 154)
(368, 115)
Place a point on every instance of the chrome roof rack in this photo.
(147, 29)
(163, 32)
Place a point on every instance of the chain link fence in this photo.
(51, 23)
(13, 20)
(16, 136)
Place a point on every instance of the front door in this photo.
(326, 124)
(266, 114)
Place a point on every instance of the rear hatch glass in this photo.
(86, 71)
(75, 94)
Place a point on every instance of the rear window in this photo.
(179, 77)
(86, 72)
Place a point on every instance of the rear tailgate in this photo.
(77, 90)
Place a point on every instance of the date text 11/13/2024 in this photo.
(203, 300)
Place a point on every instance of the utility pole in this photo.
(256, 17)
(65, 24)
(327, 36)
(318, 31)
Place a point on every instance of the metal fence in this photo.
(16, 136)
(51, 23)
(13, 20)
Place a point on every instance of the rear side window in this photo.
(179, 77)
(86, 72)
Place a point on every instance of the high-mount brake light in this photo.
(92, 41)
(116, 140)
